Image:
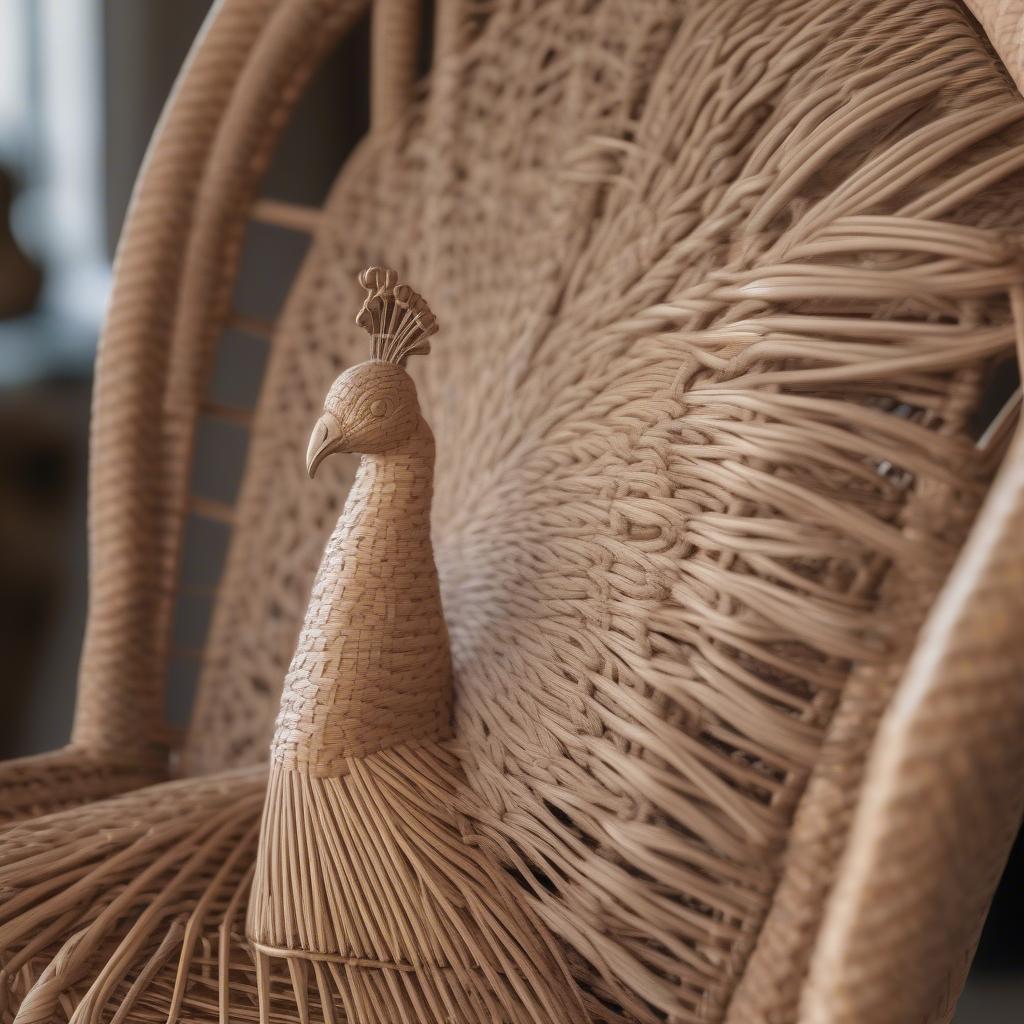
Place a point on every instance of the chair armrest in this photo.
(44, 783)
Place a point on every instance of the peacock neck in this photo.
(372, 666)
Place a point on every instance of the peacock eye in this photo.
(379, 407)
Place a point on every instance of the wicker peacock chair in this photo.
(721, 284)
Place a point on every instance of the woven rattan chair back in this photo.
(720, 284)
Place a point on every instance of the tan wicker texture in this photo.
(192, 201)
(720, 284)
(396, 40)
(182, 854)
(943, 795)
(64, 778)
(170, 303)
(361, 862)
(551, 333)
(1003, 22)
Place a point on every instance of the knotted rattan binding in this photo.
(722, 285)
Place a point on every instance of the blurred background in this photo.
(82, 83)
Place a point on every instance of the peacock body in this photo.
(364, 876)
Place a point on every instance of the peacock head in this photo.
(372, 408)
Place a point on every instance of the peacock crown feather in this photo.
(398, 319)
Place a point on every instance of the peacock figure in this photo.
(364, 881)
(366, 894)
(372, 667)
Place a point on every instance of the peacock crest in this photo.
(398, 319)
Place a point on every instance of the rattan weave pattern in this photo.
(943, 796)
(720, 283)
(44, 783)
(598, 379)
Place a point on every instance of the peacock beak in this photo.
(325, 439)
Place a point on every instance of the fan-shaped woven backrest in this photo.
(717, 284)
